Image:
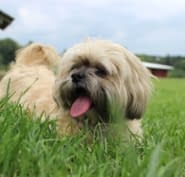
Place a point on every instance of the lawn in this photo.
(32, 148)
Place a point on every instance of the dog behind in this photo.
(30, 79)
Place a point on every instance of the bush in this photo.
(177, 73)
(7, 50)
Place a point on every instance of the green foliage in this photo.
(179, 69)
(147, 58)
(32, 148)
(167, 60)
(7, 50)
(180, 65)
(180, 73)
(1, 59)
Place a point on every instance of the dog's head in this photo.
(97, 73)
(37, 54)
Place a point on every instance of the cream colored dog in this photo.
(96, 75)
(93, 76)
(30, 79)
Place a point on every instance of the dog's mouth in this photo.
(80, 106)
(81, 103)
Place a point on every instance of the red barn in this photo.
(157, 69)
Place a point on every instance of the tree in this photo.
(7, 50)
(180, 65)
(1, 59)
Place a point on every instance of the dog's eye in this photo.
(101, 72)
(75, 66)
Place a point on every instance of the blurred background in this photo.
(152, 29)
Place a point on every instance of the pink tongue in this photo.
(80, 106)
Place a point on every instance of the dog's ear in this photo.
(33, 54)
(38, 48)
(135, 108)
(37, 54)
(137, 100)
(139, 88)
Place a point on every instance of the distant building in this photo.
(158, 70)
(5, 20)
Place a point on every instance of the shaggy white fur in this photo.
(101, 71)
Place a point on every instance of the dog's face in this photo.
(97, 73)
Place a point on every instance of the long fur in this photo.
(30, 80)
(126, 83)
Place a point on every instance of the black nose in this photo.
(77, 77)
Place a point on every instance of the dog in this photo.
(96, 75)
(93, 77)
(30, 79)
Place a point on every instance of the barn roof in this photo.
(157, 66)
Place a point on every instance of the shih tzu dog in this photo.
(30, 79)
(96, 75)
(93, 77)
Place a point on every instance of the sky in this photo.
(153, 27)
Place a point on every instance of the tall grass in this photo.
(32, 148)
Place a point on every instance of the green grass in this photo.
(32, 148)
